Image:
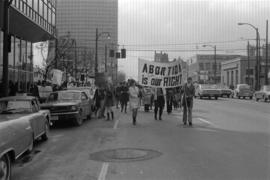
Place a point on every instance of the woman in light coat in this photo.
(134, 100)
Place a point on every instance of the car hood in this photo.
(8, 117)
(60, 103)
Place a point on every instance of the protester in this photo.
(124, 97)
(108, 102)
(99, 102)
(188, 91)
(134, 100)
(117, 95)
(159, 102)
(169, 100)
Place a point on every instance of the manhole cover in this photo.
(124, 155)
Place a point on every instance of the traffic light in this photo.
(111, 53)
(118, 55)
(123, 53)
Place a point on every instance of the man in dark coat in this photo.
(188, 92)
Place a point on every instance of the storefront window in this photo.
(11, 54)
(1, 48)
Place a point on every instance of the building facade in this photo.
(201, 67)
(237, 71)
(30, 21)
(79, 20)
(161, 57)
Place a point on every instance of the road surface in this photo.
(230, 139)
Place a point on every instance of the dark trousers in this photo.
(158, 108)
(124, 106)
(187, 110)
(169, 106)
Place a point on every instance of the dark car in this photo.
(263, 94)
(225, 91)
(243, 90)
(67, 105)
(207, 90)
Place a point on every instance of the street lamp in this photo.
(96, 57)
(257, 53)
(215, 58)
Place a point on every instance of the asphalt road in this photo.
(230, 139)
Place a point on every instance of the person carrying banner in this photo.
(124, 97)
(134, 100)
(159, 102)
(188, 92)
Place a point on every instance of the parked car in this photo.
(225, 91)
(243, 90)
(21, 123)
(263, 94)
(90, 92)
(207, 90)
(71, 105)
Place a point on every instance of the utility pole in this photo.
(96, 58)
(248, 71)
(266, 55)
(105, 57)
(257, 61)
(6, 44)
(215, 57)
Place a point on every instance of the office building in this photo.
(161, 57)
(78, 20)
(201, 67)
(29, 21)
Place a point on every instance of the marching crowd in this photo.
(130, 93)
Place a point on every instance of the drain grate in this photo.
(124, 155)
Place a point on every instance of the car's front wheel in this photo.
(79, 119)
(44, 136)
(5, 167)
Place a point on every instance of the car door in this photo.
(85, 104)
(35, 119)
(40, 118)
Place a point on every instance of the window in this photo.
(249, 71)
(236, 77)
(84, 96)
(201, 66)
(207, 66)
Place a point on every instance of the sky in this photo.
(181, 27)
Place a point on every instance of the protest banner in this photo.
(57, 76)
(156, 74)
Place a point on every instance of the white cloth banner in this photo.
(57, 77)
(156, 74)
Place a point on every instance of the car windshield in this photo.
(63, 96)
(209, 86)
(244, 86)
(15, 106)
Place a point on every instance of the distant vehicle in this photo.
(243, 90)
(207, 90)
(225, 91)
(90, 92)
(68, 105)
(21, 123)
(263, 94)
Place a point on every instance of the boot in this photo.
(134, 121)
(108, 116)
(112, 115)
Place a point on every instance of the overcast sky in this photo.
(185, 25)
